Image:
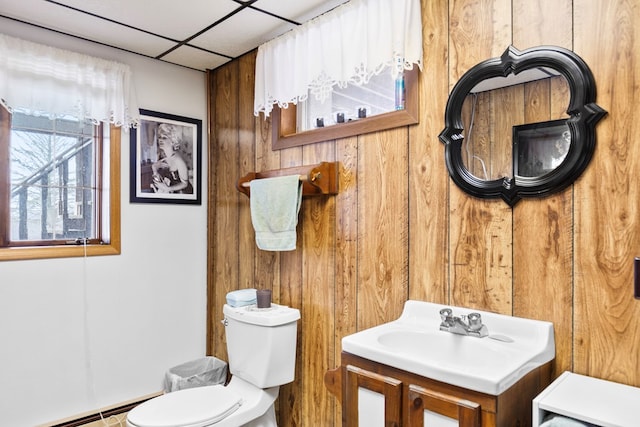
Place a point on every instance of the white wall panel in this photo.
(80, 334)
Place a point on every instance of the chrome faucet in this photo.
(470, 324)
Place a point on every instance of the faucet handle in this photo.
(445, 314)
(475, 321)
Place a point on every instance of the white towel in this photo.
(275, 203)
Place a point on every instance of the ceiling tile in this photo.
(241, 33)
(195, 58)
(68, 21)
(177, 20)
(298, 11)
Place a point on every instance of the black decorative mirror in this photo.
(522, 125)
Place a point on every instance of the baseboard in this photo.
(99, 414)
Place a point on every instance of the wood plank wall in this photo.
(400, 229)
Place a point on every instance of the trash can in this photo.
(196, 373)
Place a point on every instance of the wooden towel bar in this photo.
(316, 179)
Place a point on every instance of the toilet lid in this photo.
(193, 407)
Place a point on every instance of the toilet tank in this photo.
(261, 343)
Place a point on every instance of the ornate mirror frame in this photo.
(583, 116)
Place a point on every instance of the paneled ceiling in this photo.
(198, 34)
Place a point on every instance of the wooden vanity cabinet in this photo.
(389, 387)
(407, 396)
(420, 399)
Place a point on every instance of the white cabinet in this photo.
(590, 400)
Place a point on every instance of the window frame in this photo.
(110, 196)
(284, 121)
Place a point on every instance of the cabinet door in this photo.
(371, 400)
(427, 408)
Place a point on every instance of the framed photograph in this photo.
(166, 159)
(539, 148)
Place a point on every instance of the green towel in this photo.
(275, 203)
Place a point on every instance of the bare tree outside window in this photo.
(52, 184)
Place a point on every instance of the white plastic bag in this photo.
(196, 373)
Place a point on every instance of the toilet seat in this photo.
(194, 407)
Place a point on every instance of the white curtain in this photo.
(347, 45)
(48, 81)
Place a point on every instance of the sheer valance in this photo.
(347, 45)
(45, 80)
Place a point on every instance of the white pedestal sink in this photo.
(415, 343)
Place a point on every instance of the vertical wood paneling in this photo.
(478, 29)
(382, 226)
(428, 177)
(607, 230)
(346, 251)
(481, 244)
(288, 291)
(346, 240)
(401, 229)
(542, 22)
(225, 162)
(318, 315)
(246, 163)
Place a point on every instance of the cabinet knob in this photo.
(417, 402)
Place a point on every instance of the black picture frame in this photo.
(152, 172)
(540, 148)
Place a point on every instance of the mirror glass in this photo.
(498, 110)
(521, 125)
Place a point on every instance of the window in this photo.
(59, 189)
(60, 180)
(381, 94)
(381, 112)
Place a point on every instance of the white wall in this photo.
(78, 334)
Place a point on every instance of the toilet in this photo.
(261, 344)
